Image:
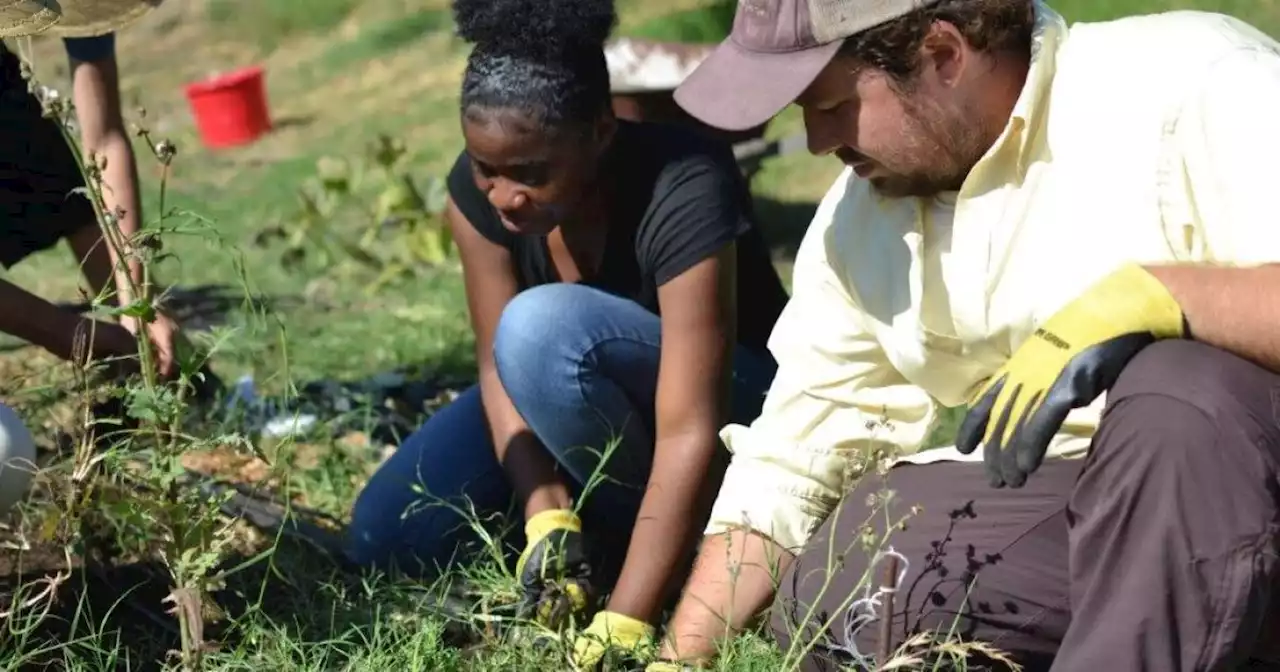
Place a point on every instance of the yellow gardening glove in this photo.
(610, 630)
(1068, 363)
(555, 576)
(667, 666)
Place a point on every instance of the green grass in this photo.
(387, 36)
(342, 72)
(709, 23)
(1265, 14)
(269, 22)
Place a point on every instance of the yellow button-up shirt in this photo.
(1147, 139)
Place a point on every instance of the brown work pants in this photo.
(1156, 552)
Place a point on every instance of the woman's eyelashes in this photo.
(531, 174)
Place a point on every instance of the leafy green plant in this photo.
(122, 494)
(369, 214)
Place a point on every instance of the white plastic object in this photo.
(17, 458)
(640, 66)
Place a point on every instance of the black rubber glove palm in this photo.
(554, 572)
(1068, 363)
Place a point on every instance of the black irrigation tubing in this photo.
(141, 607)
(257, 509)
(257, 493)
(270, 515)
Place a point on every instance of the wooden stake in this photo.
(889, 585)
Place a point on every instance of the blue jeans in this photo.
(581, 367)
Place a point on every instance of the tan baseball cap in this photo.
(69, 18)
(774, 52)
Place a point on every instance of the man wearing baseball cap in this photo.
(1072, 232)
(39, 176)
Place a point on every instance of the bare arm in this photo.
(733, 580)
(96, 93)
(490, 283)
(818, 426)
(698, 319)
(1225, 127)
(41, 323)
(1236, 309)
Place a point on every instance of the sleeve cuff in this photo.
(91, 49)
(774, 501)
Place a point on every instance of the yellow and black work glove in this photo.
(1066, 364)
(664, 666)
(554, 572)
(610, 630)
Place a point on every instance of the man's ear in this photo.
(945, 53)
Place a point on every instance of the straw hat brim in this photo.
(70, 18)
(26, 17)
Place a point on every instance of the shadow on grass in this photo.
(293, 609)
(783, 224)
(100, 617)
(202, 306)
(293, 121)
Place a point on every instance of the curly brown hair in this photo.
(988, 25)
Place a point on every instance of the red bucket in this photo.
(230, 109)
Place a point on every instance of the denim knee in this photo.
(399, 516)
(537, 335)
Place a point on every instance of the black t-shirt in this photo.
(679, 198)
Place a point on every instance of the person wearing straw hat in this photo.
(1070, 233)
(39, 173)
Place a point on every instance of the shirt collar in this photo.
(1029, 109)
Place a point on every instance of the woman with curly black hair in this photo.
(618, 290)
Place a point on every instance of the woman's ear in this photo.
(605, 129)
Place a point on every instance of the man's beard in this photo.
(908, 186)
(955, 143)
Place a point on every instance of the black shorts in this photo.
(38, 174)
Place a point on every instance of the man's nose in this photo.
(821, 134)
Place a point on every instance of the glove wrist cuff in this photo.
(1135, 290)
(612, 620)
(541, 524)
(671, 666)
